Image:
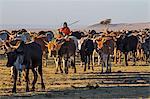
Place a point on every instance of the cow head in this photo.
(12, 56)
(13, 52)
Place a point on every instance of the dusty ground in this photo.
(123, 82)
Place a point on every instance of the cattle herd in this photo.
(29, 50)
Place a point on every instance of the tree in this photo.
(106, 23)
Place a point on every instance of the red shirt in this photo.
(65, 30)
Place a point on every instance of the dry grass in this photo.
(120, 76)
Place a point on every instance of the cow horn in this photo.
(6, 46)
(46, 42)
(14, 47)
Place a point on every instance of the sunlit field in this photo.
(124, 81)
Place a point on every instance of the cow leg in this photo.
(125, 58)
(46, 59)
(119, 56)
(115, 55)
(81, 64)
(65, 67)
(85, 63)
(59, 64)
(103, 65)
(41, 75)
(92, 63)
(89, 61)
(73, 64)
(35, 79)
(15, 73)
(134, 58)
(106, 63)
(63, 61)
(93, 57)
(20, 72)
(27, 80)
(11, 73)
(99, 60)
(56, 62)
(24, 75)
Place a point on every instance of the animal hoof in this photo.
(43, 87)
(33, 89)
(27, 90)
(13, 91)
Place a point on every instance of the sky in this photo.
(55, 12)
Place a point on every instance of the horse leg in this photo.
(41, 75)
(15, 73)
(35, 79)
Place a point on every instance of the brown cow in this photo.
(105, 48)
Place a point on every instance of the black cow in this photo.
(63, 50)
(87, 48)
(146, 48)
(29, 55)
(67, 53)
(126, 44)
(78, 34)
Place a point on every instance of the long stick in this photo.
(55, 30)
(73, 23)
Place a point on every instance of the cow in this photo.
(86, 51)
(29, 55)
(126, 44)
(63, 50)
(105, 46)
(146, 48)
(42, 41)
